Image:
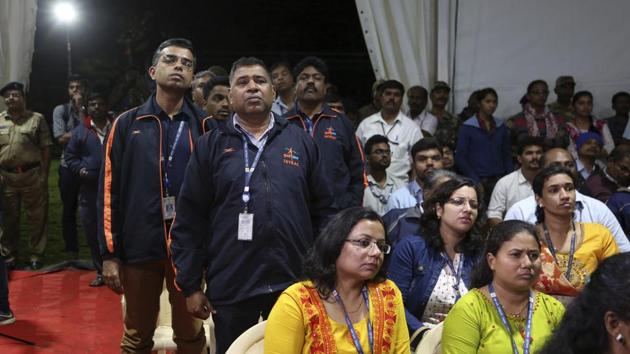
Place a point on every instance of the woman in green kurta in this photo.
(502, 314)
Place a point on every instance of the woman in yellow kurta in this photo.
(347, 305)
(502, 314)
(571, 250)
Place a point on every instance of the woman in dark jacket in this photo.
(483, 145)
(433, 271)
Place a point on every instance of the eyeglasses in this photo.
(459, 202)
(366, 244)
(171, 59)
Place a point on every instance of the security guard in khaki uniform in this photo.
(24, 162)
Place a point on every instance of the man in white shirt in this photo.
(587, 209)
(517, 185)
(390, 122)
(380, 185)
(427, 156)
(417, 98)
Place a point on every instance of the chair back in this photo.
(431, 343)
(250, 342)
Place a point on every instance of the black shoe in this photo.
(6, 318)
(35, 265)
(97, 282)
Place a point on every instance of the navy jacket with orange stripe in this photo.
(84, 150)
(290, 201)
(130, 223)
(342, 155)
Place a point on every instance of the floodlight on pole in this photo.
(66, 13)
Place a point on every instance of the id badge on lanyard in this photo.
(168, 201)
(246, 219)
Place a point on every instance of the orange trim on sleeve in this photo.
(107, 190)
(169, 240)
(365, 179)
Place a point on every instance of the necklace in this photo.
(358, 308)
(518, 314)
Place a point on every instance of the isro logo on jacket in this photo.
(330, 133)
(290, 157)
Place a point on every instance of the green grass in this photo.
(55, 246)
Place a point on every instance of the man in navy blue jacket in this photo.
(84, 156)
(252, 200)
(146, 153)
(333, 133)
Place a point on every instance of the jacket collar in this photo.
(295, 112)
(194, 115)
(279, 124)
(150, 107)
(474, 122)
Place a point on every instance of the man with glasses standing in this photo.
(380, 184)
(146, 153)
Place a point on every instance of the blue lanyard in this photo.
(353, 333)
(249, 170)
(457, 274)
(552, 249)
(309, 126)
(506, 324)
(169, 160)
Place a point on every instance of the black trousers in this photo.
(232, 320)
(69, 184)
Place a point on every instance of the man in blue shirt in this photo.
(427, 156)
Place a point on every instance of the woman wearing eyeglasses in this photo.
(502, 314)
(346, 305)
(433, 270)
(572, 250)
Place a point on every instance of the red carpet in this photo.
(62, 314)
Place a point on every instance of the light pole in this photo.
(66, 13)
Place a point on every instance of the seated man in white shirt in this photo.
(427, 156)
(517, 185)
(587, 209)
(417, 98)
(380, 185)
(390, 122)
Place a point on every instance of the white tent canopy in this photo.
(503, 44)
(17, 39)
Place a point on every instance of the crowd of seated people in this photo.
(361, 231)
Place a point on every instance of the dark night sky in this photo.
(221, 31)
